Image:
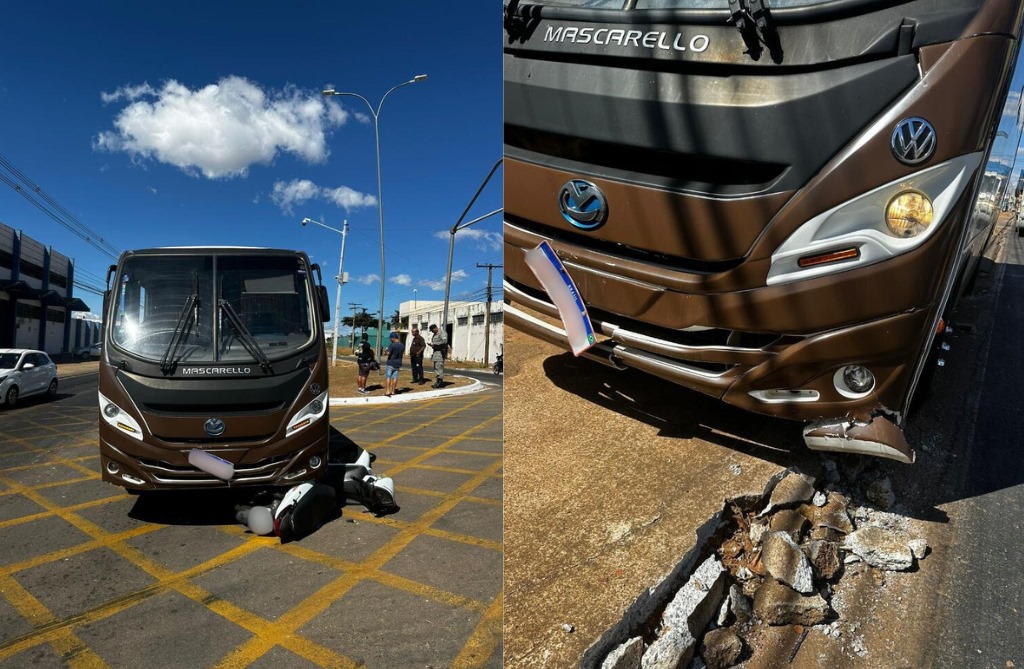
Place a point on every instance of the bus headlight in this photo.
(119, 419)
(308, 415)
(890, 220)
(909, 214)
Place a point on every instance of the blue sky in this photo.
(202, 123)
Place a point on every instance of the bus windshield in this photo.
(205, 308)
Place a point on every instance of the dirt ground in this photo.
(607, 476)
(343, 380)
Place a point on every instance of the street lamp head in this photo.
(420, 77)
(329, 91)
(307, 220)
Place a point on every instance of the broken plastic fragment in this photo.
(211, 464)
(563, 293)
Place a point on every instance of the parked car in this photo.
(92, 351)
(25, 372)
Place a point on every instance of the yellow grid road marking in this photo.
(268, 634)
(286, 625)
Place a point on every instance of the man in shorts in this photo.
(396, 350)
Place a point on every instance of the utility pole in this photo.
(353, 306)
(337, 297)
(487, 313)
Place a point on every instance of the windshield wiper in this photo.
(188, 318)
(248, 341)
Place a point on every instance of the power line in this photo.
(54, 209)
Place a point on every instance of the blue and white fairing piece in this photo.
(563, 293)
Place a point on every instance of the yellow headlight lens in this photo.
(909, 214)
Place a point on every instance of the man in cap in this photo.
(439, 343)
(396, 349)
(416, 348)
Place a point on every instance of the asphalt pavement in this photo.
(93, 577)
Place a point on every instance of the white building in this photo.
(465, 323)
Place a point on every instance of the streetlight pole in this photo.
(380, 195)
(341, 280)
(459, 225)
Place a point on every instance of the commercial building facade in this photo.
(36, 297)
(470, 334)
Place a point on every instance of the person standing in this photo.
(396, 349)
(366, 361)
(416, 349)
(439, 343)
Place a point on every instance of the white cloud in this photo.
(487, 241)
(439, 284)
(401, 280)
(221, 129)
(298, 191)
(368, 279)
(345, 197)
(130, 93)
(151, 189)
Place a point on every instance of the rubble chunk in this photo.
(778, 604)
(626, 655)
(879, 492)
(819, 499)
(784, 560)
(686, 616)
(824, 557)
(672, 649)
(834, 515)
(739, 604)
(721, 648)
(791, 490)
(756, 532)
(789, 521)
(881, 547)
(919, 547)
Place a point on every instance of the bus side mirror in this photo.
(325, 305)
(106, 300)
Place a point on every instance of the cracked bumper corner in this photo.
(879, 437)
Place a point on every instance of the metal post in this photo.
(380, 196)
(487, 314)
(451, 240)
(337, 294)
(353, 333)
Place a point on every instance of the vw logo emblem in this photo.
(583, 204)
(913, 141)
(214, 427)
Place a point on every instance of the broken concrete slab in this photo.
(794, 488)
(784, 560)
(671, 650)
(689, 612)
(778, 604)
(881, 547)
(625, 656)
(721, 648)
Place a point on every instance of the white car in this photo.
(92, 351)
(25, 372)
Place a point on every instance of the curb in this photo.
(474, 387)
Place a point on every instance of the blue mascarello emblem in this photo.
(583, 205)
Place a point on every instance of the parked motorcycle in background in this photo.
(498, 365)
